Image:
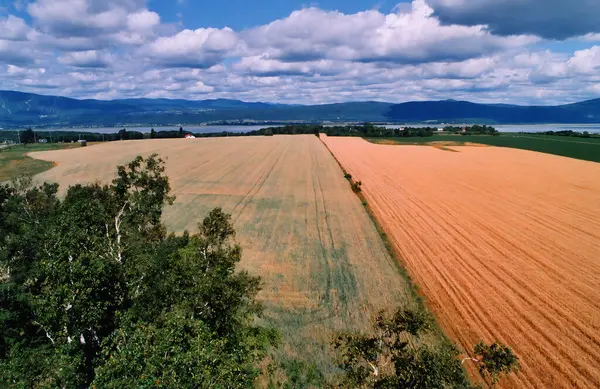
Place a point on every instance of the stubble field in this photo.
(323, 264)
(504, 243)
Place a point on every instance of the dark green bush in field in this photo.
(94, 293)
(391, 356)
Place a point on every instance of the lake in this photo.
(591, 128)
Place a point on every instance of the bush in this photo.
(357, 186)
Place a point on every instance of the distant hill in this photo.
(19, 109)
(464, 111)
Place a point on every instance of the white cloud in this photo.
(86, 59)
(586, 61)
(120, 49)
(370, 36)
(90, 24)
(201, 48)
(15, 53)
(13, 28)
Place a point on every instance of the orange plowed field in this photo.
(504, 243)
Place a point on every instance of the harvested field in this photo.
(302, 229)
(504, 243)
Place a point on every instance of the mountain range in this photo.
(18, 109)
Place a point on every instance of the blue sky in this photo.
(252, 13)
(509, 51)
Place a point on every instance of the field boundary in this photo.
(419, 298)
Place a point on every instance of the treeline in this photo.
(367, 130)
(362, 130)
(575, 134)
(472, 130)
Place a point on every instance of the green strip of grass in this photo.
(14, 162)
(587, 149)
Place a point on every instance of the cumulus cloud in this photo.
(86, 59)
(551, 19)
(201, 48)
(119, 49)
(404, 37)
(12, 52)
(586, 61)
(89, 24)
(13, 28)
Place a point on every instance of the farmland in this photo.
(504, 243)
(580, 148)
(302, 230)
(14, 160)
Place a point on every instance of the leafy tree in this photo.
(391, 356)
(152, 134)
(495, 360)
(123, 134)
(27, 136)
(181, 134)
(94, 291)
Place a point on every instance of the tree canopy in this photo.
(392, 356)
(95, 293)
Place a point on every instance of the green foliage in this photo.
(496, 360)
(348, 176)
(27, 136)
(294, 374)
(152, 134)
(569, 133)
(93, 290)
(357, 186)
(390, 356)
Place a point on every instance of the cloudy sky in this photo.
(295, 51)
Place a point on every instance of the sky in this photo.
(291, 51)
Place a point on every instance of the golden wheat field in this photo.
(504, 243)
(302, 229)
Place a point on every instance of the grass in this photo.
(323, 266)
(436, 338)
(587, 149)
(14, 161)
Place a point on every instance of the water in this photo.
(591, 128)
(146, 129)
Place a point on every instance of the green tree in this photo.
(391, 356)
(94, 290)
(27, 136)
(152, 134)
(123, 134)
(181, 134)
(495, 360)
